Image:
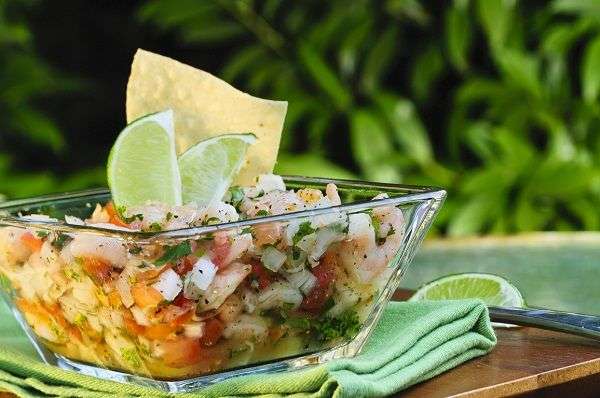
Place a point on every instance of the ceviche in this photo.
(224, 299)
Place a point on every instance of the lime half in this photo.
(208, 168)
(142, 165)
(492, 289)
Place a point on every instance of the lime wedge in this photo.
(208, 168)
(142, 165)
(492, 289)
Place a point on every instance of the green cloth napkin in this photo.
(412, 342)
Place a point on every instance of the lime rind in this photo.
(492, 289)
(209, 167)
(142, 164)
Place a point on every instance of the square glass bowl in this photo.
(319, 298)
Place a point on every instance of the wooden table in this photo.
(526, 361)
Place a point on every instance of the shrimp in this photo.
(360, 254)
(332, 194)
(274, 202)
(12, 248)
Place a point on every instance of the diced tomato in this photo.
(114, 298)
(181, 352)
(220, 251)
(113, 215)
(213, 329)
(159, 331)
(184, 266)
(181, 301)
(145, 296)
(34, 244)
(131, 325)
(152, 273)
(318, 296)
(260, 274)
(98, 270)
(276, 333)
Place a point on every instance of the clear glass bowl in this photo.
(67, 306)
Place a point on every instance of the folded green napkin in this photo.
(413, 342)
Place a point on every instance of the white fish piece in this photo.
(277, 294)
(112, 250)
(247, 327)
(223, 285)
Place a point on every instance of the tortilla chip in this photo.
(205, 106)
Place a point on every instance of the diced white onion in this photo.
(199, 278)
(73, 220)
(308, 242)
(277, 294)
(270, 182)
(169, 284)
(344, 298)
(38, 217)
(123, 287)
(303, 280)
(139, 316)
(272, 258)
(193, 330)
(325, 237)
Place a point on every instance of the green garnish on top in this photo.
(173, 253)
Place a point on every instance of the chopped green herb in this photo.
(262, 213)
(247, 230)
(131, 219)
(155, 227)
(79, 320)
(376, 225)
(72, 274)
(169, 216)
(237, 195)
(173, 253)
(42, 234)
(328, 304)
(211, 221)
(339, 227)
(304, 229)
(61, 240)
(327, 328)
(208, 236)
(296, 253)
(131, 356)
(135, 250)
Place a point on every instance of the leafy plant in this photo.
(509, 97)
(24, 128)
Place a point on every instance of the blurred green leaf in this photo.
(458, 36)
(310, 165)
(428, 68)
(590, 73)
(378, 60)
(407, 127)
(323, 76)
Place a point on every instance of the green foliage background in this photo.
(496, 100)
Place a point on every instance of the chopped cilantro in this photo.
(326, 328)
(131, 356)
(328, 304)
(303, 230)
(237, 195)
(131, 219)
(262, 213)
(135, 250)
(61, 240)
(296, 253)
(42, 234)
(247, 230)
(155, 227)
(339, 227)
(172, 253)
(211, 221)
(169, 216)
(79, 320)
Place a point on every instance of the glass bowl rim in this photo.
(408, 194)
